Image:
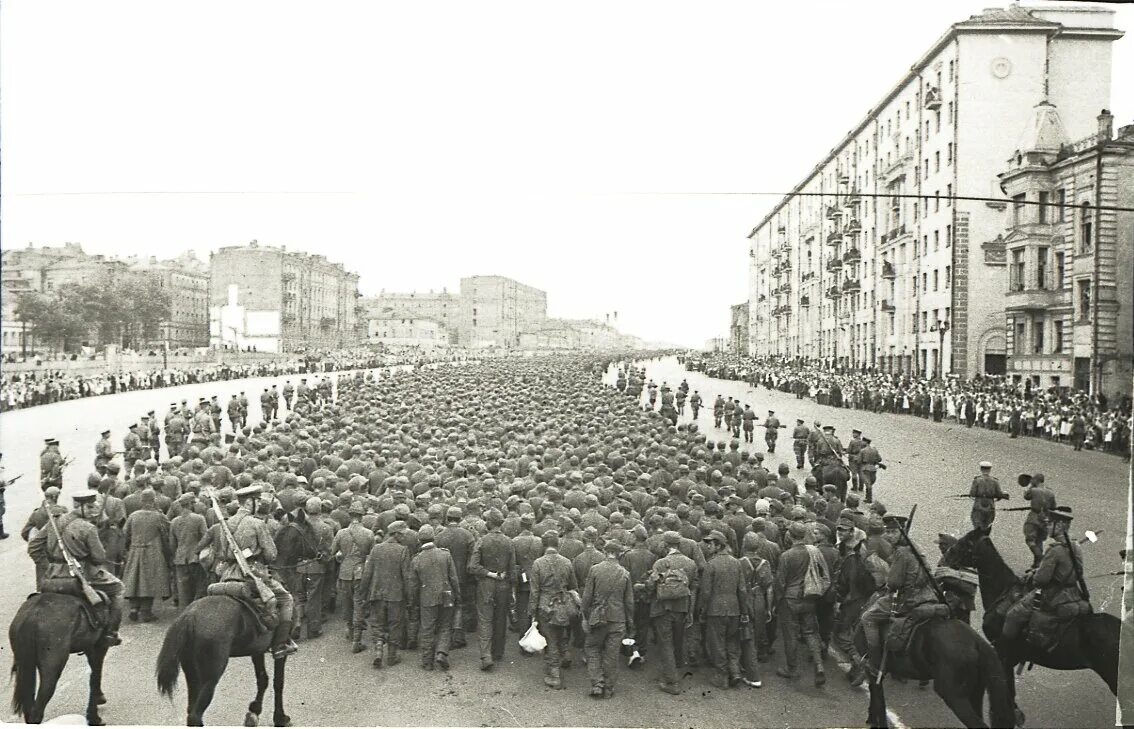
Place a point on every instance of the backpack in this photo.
(817, 581)
(673, 584)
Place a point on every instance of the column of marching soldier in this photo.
(483, 498)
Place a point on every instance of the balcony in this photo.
(852, 198)
(804, 301)
(851, 286)
(834, 212)
(896, 233)
(833, 292)
(835, 238)
(775, 272)
(853, 227)
(888, 270)
(785, 288)
(854, 255)
(835, 264)
(807, 276)
(785, 267)
(887, 306)
(1020, 299)
(932, 99)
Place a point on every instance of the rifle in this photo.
(238, 554)
(1077, 567)
(13, 480)
(73, 565)
(886, 643)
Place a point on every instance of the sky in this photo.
(418, 142)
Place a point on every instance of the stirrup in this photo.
(285, 649)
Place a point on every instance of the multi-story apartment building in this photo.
(495, 311)
(1069, 251)
(51, 269)
(877, 259)
(186, 278)
(281, 301)
(443, 308)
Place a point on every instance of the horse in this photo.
(47, 629)
(834, 473)
(1090, 642)
(961, 664)
(201, 640)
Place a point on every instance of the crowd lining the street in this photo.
(1062, 415)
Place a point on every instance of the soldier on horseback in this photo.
(828, 447)
(909, 585)
(255, 542)
(80, 539)
(1056, 582)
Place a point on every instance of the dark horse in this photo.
(47, 629)
(202, 639)
(962, 665)
(832, 473)
(1091, 641)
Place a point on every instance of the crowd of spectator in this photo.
(47, 385)
(1060, 414)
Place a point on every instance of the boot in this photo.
(379, 649)
(393, 660)
(113, 622)
(282, 644)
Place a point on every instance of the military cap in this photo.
(878, 508)
(54, 441)
(846, 521)
(895, 520)
(762, 506)
(856, 430)
(84, 496)
(186, 498)
(247, 491)
(797, 530)
(984, 464)
(435, 511)
(672, 537)
(51, 491)
(425, 533)
(106, 432)
(113, 467)
(550, 534)
(799, 420)
(454, 512)
(866, 439)
(527, 518)
(396, 527)
(829, 427)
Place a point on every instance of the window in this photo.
(936, 161)
(1061, 201)
(949, 154)
(951, 70)
(1085, 300)
(891, 323)
(927, 165)
(935, 279)
(1018, 209)
(1060, 259)
(950, 116)
(1037, 337)
(937, 121)
(948, 235)
(1041, 267)
(1057, 337)
(1043, 198)
(927, 130)
(936, 239)
(1016, 271)
(915, 206)
(936, 200)
(925, 281)
(1018, 344)
(948, 194)
(924, 321)
(1086, 244)
(948, 271)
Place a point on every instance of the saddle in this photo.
(1045, 629)
(96, 615)
(244, 593)
(903, 627)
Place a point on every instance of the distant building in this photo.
(14, 334)
(585, 334)
(51, 269)
(443, 308)
(738, 329)
(277, 300)
(186, 278)
(496, 310)
(1069, 298)
(403, 330)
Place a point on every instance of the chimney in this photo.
(1106, 126)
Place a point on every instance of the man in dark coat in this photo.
(608, 615)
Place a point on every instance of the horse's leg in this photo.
(952, 692)
(1008, 662)
(95, 659)
(211, 663)
(252, 718)
(192, 685)
(876, 717)
(279, 718)
(51, 664)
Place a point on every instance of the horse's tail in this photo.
(25, 651)
(172, 648)
(1001, 711)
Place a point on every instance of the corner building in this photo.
(871, 261)
(495, 311)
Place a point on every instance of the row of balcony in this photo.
(893, 234)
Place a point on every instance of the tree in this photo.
(52, 322)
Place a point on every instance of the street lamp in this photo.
(940, 327)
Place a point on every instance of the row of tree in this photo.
(129, 314)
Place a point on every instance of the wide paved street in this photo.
(329, 686)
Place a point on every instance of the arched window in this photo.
(1086, 228)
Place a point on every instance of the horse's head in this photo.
(966, 552)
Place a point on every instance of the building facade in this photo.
(495, 311)
(443, 308)
(738, 329)
(403, 330)
(186, 278)
(875, 259)
(51, 269)
(1069, 298)
(275, 300)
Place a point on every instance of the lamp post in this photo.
(941, 327)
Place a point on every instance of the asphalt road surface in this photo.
(329, 686)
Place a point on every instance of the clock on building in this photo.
(1001, 67)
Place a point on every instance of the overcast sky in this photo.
(419, 142)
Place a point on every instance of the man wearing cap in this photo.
(853, 447)
(797, 612)
(854, 586)
(869, 461)
(350, 547)
(985, 492)
(384, 578)
(312, 571)
(552, 580)
(155, 437)
(104, 451)
(434, 590)
(760, 583)
(671, 615)
(131, 447)
(799, 438)
(288, 394)
(252, 537)
(50, 465)
(720, 604)
(493, 563)
(638, 561)
(908, 584)
(175, 431)
(147, 449)
(37, 523)
(771, 431)
(1055, 582)
(608, 615)
(146, 572)
(528, 548)
(185, 532)
(695, 403)
(460, 542)
(80, 538)
(828, 447)
(1041, 500)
